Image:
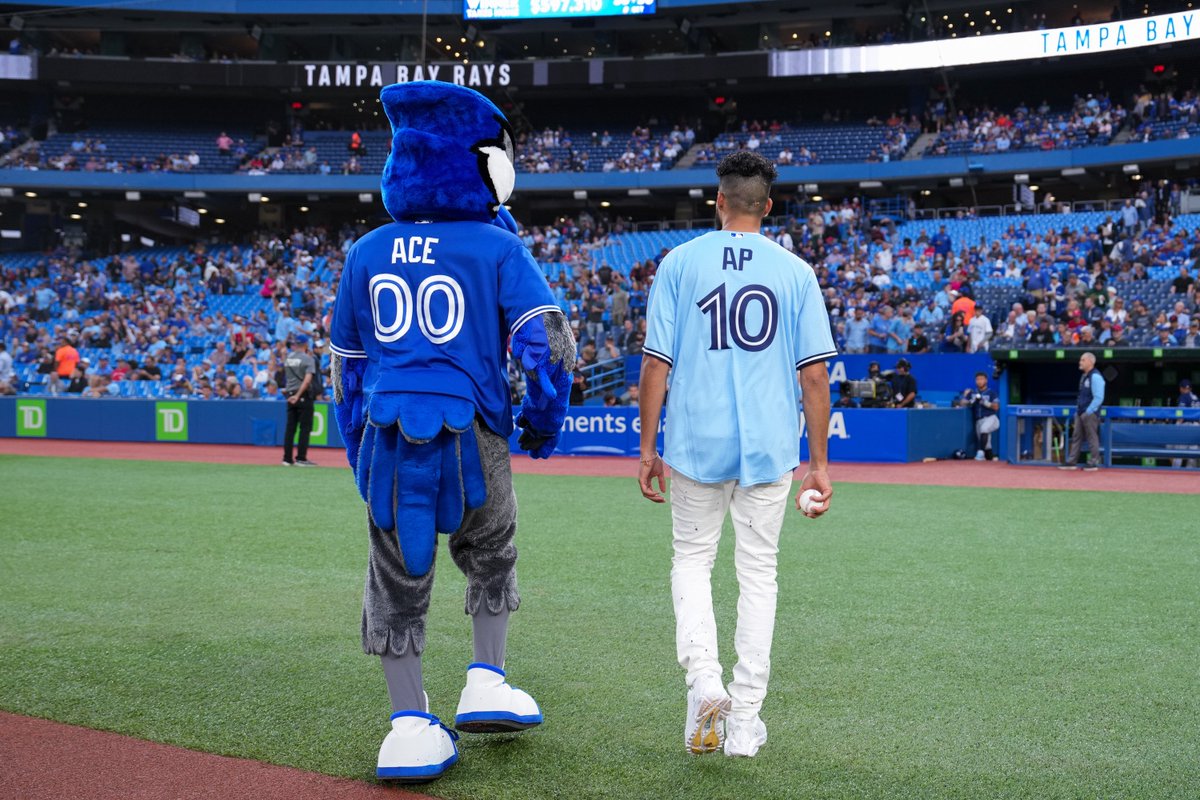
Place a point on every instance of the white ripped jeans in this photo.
(698, 514)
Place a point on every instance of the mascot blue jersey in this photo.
(423, 303)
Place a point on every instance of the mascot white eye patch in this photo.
(501, 171)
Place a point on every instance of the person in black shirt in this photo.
(904, 386)
(917, 342)
(1184, 283)
(1043, 334)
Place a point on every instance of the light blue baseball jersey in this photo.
(735, 315)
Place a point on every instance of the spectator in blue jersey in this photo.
(897, 341)
(985, 405)
(931, 316)
(880, 332)
(856, 332)
(780, 328)
(941, 242)
(1087, 415)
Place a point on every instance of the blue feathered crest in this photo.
(452, 153)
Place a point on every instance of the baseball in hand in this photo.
(809, 502)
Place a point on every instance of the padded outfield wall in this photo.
(855, 434)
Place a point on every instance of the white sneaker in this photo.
(419, 748)
(707, 706)
(744, 737)
(488, 704)
(979, 455)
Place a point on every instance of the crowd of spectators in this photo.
(889, 288)
(153, 317)
(643, 150)
(1092, 119)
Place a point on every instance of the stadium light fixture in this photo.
(639, 192)
(304, 208)
(254, 197)
(811, 188)
(870, 184)
(816, 198)
(9, 233)
(695, 193)
(366, 197)
(710, 202)
(264, 199)
(956, 183)
(1136, 177)
(82, 204)
(194, 195)
(1021, 177)
(1073, 172)
(579, 194)
(1130, 169)
(219, 221)
(201, 210)
(605, 204)
(925, 193)
(133, 196)
(31, 194)
(76, 216)
(6, 191)
(1034, 188)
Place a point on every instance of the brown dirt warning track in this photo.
(994, 474)
(42, 760)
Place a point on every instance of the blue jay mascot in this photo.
(425, 311)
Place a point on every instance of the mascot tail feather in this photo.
(419, 470)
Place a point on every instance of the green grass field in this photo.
(931, 642)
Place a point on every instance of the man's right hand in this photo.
(648, 470)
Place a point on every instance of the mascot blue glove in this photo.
(347, 375)
(547, 391)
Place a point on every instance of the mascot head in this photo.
(452, 153)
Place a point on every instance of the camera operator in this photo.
(904, 385)
(984, 403)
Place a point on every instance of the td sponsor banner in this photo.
(31, 417)
(170, 421)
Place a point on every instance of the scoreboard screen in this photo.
(544, 9)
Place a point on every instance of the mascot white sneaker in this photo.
(488, 703)
(419, 748)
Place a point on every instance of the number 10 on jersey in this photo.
(728, 320)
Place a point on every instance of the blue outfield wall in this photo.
(259, 422)
(854, 434)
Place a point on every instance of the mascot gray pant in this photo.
(395, 603)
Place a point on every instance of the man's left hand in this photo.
(293, 399)
(816, 479)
